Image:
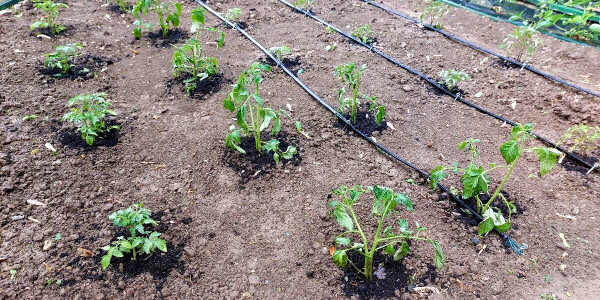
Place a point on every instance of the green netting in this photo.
(489, 8)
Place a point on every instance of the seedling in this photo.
(582, 138)
(233, 13)
(523, 40)
(365, 34)
(304, 4)
(13, 274)
(300, 131)
(331, 47)
(140, 240)
(142, 7)
(273, 146)
(392, 242)
(351, 77)
(452, 78)
(434, 11)
(476, 181)
(27, 118)
(51, 11)
(89, 117)
(189, 58)
(252, 115)
(280, 51)
(62, 59)
(121, 3)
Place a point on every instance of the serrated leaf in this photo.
(340, 258)
(436, 175)
(342, 217)
(439, 259)
(510, 151)
(342, 240)
(402, 251)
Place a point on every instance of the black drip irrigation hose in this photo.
(508, 241)
(490, 52)
(456, 96)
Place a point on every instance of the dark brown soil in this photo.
(268, 238)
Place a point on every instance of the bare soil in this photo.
(268, 237)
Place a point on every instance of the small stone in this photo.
(47, 245)
(407, 88)
(246, 295)
(475, 241)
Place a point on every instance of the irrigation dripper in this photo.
(424, 77)
(479, 48)
(508, 242)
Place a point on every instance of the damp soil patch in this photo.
(254, 164)
(504, 64)
(174, 36)
(84, 68)
(439, 92)
(70, 137)
(67, 32)
(204, 88)
(365, 122)
(293, 64)
(388, 276)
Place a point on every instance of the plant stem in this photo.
(499, 188)
(354, 104)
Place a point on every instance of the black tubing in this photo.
(508, 241)
(467, 43)
(456, 96)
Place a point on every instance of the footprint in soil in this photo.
(254, 164)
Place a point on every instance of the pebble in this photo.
(407, 88)
(47, 245)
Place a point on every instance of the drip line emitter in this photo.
(455, 96)
(482, 49)
(507, 240)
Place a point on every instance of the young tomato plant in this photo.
(365, 34)
(89, 116)
(62, 58)
(525, 39)
(233, 14)
(121, 3)
(452, 78)
(280, 51)
(582, 138)
(435, 10)
(392, 242)
(166, 17)
(51, 11)
(252, 115)
(351, 77)
(140, 240)
(304, 4)
(189, 58)
(475, 178)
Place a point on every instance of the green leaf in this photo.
(402, 251)
(402, 199)
(474, 181)
(228, 104)
(344, 241)
(485, 226)
(340, 258)
(342, 217)
(404, 227)
(439, 260)
(389, 249)
(105, 261)
(436, 175)
(510, 151)
(548, 158)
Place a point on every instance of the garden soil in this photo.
(234, 236)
